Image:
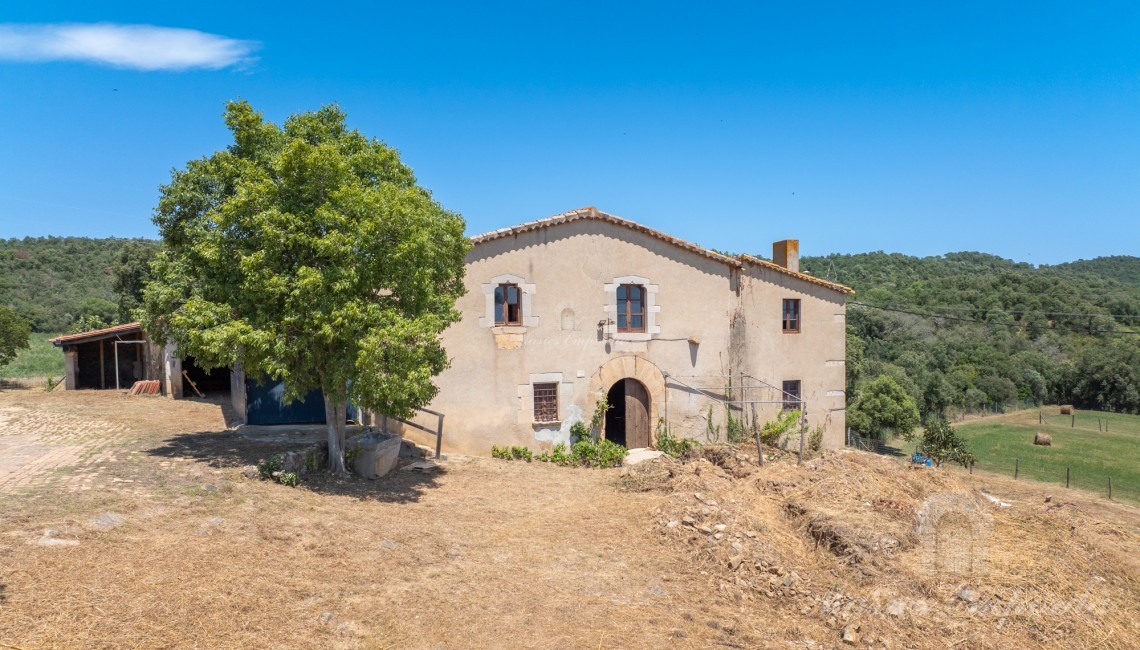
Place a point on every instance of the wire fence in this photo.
(1120, 487)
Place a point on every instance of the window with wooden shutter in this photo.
(508, 305)
(631, 308)
(791, 316)
(792, 397)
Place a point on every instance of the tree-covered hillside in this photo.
(967, 330)
(55, 282)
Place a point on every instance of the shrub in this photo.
(773, 432)
(671, 445)
(521, 453)
(579, 431)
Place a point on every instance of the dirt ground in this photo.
(129, 522)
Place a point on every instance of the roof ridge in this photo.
(592, 212)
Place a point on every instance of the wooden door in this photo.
(636, 415)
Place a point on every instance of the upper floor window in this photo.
(792, 397)
(631, 308)
(508, 305)
(791, 316)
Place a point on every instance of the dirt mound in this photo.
(858, 549)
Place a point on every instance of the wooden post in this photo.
(102, 366)
(1110, 488)
(1066, 477)
(1040, 418)
(1074, 424)
(1016, 467)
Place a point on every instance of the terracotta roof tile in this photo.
(97, 334)
(595, 214)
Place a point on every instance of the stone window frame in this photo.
(651, 309)
(527, 289)
(526, 397)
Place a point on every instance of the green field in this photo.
(1099, 446)
(41, 360)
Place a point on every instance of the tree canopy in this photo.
(54, 282)
(14, 332)
(967, 331)
(307, 252)
(882, 406)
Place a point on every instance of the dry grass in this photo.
(483, 553)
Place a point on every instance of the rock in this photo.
(895, 608)
(790, 579)
(688, 521)
(705, 529)
(327, 618)
(420, 465)
(967, 595)
(720, 528)
(251, 472)
(735, 562)
(636, 456)
(388, 544)
(718, 536)
(851, 633)
(673, 524)
(1048, 498)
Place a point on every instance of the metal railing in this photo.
(437, 432)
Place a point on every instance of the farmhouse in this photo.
(563, 311)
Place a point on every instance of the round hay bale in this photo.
(1043, 439)
(1066, 409)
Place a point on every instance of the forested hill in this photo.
(1122, 268)
(964, 330)
(957, 331)
(56, 282)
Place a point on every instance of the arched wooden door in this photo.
(636, 414)
(627, 420)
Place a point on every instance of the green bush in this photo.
(672, 445)
(583, 454)
(772, 432)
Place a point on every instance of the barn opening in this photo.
(208, 382)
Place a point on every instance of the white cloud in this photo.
(142, 47)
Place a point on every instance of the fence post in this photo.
(1110, 488)
(1040, 418)
(1016, 467)
(1074, 424)
(1066, 477)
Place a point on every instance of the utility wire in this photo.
(1022, 311)
(982, 322)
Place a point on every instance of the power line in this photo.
(1022, 312)
(982, 322)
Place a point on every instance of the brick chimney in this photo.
(787, 254)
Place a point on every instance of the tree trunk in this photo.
(335, 415)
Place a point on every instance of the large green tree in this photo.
(307, 252)
(14, 332)
(881, 406)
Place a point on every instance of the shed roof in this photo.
(95, 335)
(592, 213)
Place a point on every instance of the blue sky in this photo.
(919, 128)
